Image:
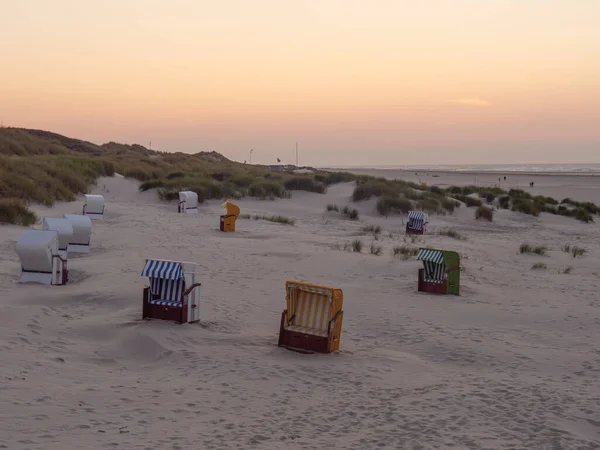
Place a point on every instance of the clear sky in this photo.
(354, 81)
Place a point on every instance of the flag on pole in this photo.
(278, 160)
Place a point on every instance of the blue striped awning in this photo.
(167, 270)
(418, 215)
(434, 256)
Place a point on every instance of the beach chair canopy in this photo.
(434, 264)
(63, 226)
(417, 219)
(82, 228)
(94, 204)
(36, 250)
(440, 264)
(166, 280)
(190, 198)
(232, 208)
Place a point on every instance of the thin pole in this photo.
(251, 150)
(296, 153)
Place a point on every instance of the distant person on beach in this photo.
(531, 184)
(504, 178)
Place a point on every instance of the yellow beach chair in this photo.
(312, 321)
(227, 222)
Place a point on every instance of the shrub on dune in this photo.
(484, 212)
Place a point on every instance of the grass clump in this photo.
(578, 251)
(484, 212)
(451, 233)
(357, 245)
(539, 266)
(375, 229)
(525, 248)
(528, 248)
(375, 249)
(404, 251)
(275, 219)
(304, 183)
(469, 201)
(13, 210)
(391, 204)
(567, 270)
(331, 207)
(351, 213)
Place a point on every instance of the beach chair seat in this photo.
(173, 292)
(307, 330)
(160, 302)
(312, 320)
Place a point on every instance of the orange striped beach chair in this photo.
(312, 320)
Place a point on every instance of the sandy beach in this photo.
(513, 363)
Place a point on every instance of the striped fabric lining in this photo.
(166, 303)
(416, 220)
(434, 264)
(311, 309)
(168, 290)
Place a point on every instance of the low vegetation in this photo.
(404, 251)
(350, 213)
(539, 266)
(567, 270)
(450, 232)
(484, 212)
(375, 249)
(13, 210)
(578, 251)
(276, 219)
(538, 250)
(399, 197)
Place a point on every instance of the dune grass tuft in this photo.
(375, 229)
(539, 266)
(375, 249)
(484, 212)
(13, 210)
(404, 251)
(351, 213)
(357, 245)
(450, 232)
(528, 248)
(525, 248)
(331, 207)
(275, 219)
(578, 251)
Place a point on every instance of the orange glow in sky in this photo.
(354, 81)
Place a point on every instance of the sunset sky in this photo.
(356, 82)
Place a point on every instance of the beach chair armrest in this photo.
(186, 293)
(334, 319)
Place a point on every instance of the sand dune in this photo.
(511, 364)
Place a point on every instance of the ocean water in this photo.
(527, 168)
